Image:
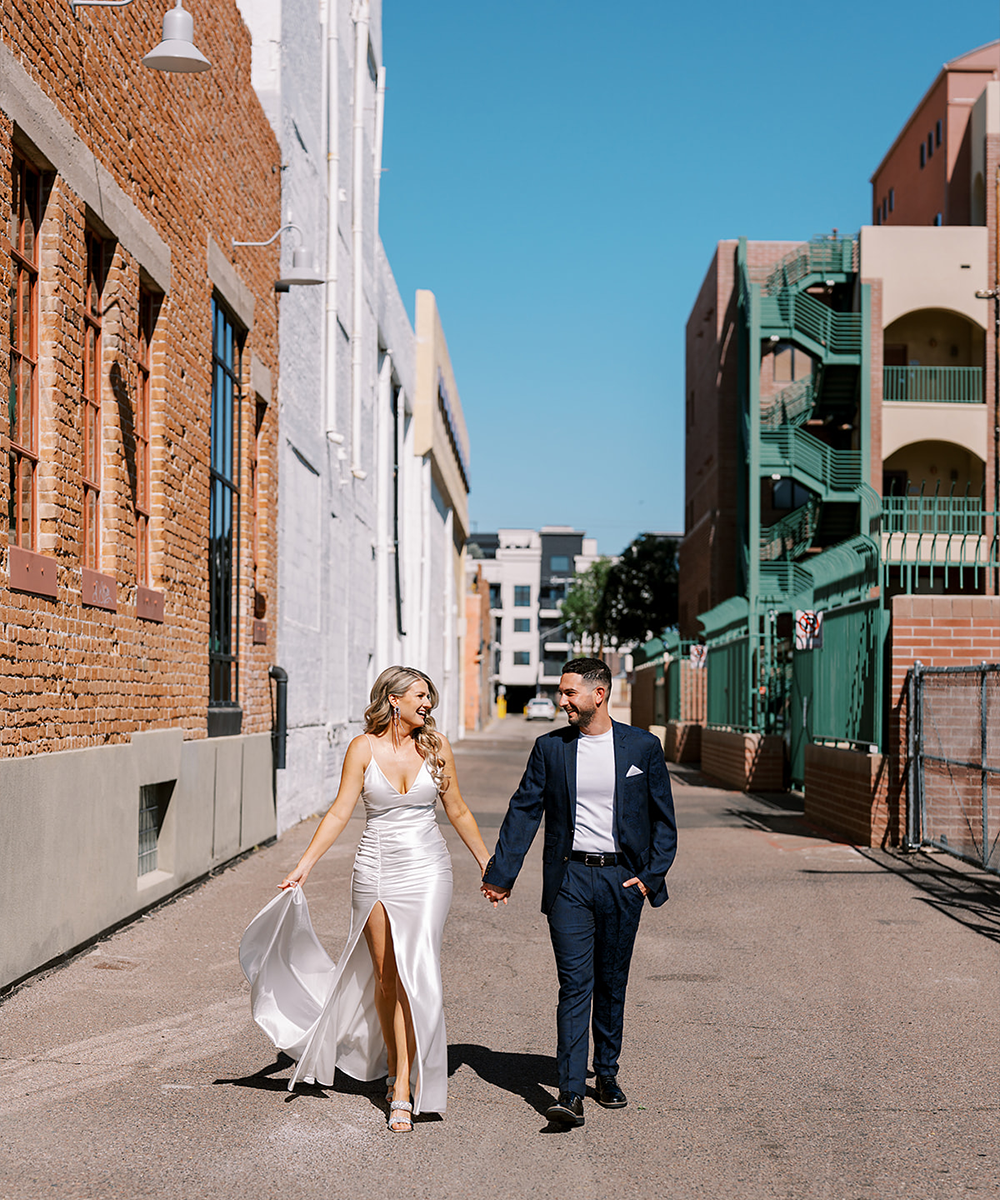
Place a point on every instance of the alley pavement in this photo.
(804, 1019)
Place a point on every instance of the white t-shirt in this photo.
(595, 793)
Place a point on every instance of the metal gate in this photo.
(953, 736)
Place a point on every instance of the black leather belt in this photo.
(602, 858)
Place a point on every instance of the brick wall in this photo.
(194, 158)
(478, 699)
(846, 792)
(745, 761)
(863, 796)
(938, 631)
(682, 741)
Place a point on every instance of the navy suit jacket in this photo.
(644, 811)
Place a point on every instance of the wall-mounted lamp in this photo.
(303, 271)
(177, 51)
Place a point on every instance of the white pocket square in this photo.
(633, 770)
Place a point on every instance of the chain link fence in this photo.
(954, 755)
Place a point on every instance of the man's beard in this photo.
(584, 717)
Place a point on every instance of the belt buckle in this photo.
(594, 859)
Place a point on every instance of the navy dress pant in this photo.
(593, 924)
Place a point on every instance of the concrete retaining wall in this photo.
(745, 761)
(69, 833)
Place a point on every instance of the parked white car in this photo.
(540, 708)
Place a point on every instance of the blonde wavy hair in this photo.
(397, 681)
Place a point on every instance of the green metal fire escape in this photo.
(812, 438)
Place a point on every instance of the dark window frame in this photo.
(225, 507)
(22, 403)
(91, 370)
(149, 307)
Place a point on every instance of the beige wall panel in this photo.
(228, 783)
(922, 267)
(257, 819)
(905, 422)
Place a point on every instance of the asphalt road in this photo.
(804, 1020)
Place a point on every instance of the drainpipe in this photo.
(379, 122)
(279, 730)
(332, 217)
(398, 412)
(382, 497)
(362, 14)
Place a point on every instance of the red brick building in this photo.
(137, 549)
(842, 466)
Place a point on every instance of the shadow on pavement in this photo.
(692, 777)
(968, 896)
(524, 1075)
(343, 1084)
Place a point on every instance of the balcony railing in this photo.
(944, 385)
(933, 514)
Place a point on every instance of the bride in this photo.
(381, 1010)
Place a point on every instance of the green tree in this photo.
(639, 598)
(582, 606)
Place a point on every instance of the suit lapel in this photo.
(569, 762)
(621, 766)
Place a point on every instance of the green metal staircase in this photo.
(813, 434)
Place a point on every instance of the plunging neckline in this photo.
(389, 781)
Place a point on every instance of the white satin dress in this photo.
(323, 1014)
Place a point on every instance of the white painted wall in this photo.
(337, 616)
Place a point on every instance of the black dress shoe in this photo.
(609, 1094)
(568, 1109)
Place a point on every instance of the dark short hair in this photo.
(592, 671)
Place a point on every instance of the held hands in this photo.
(494, 894)
(636, 882)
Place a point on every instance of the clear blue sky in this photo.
(558, 174)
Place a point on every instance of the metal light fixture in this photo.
(177, 51)
(303, 271)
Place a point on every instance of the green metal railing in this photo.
(792, 405)
(836, 333)
(935, 542)
(933, 514)
(830, 256)
(796, 452)
(944, 385)
(792, 535)
(782, 580)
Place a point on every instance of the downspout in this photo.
(332, 217)
(397, 432)
(361, 19)
(426, 561)
(379, 123)
(383, 485)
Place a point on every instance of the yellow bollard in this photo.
(501, 707)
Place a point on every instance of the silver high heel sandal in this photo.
(390, 1087)
(400, 1120)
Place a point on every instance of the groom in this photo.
(610, 837)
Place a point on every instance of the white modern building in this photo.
(373, 469)
(529, 572)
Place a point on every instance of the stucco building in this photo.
(374, 452)
(529, 573)
(137, 554)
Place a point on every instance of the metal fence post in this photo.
(914, 798)
(983, 771)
